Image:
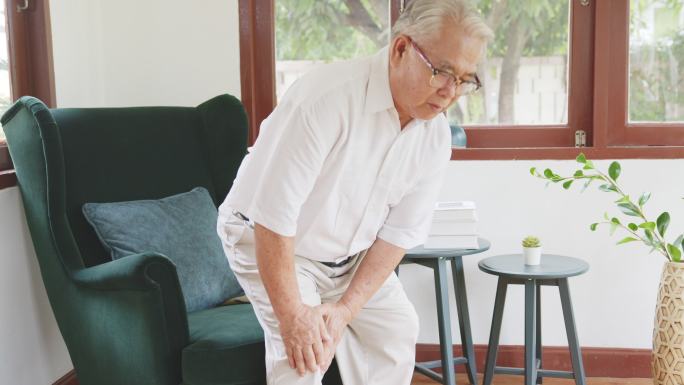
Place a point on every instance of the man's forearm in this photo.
(380, 260)
(275, 259)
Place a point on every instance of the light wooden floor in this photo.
(500, 379)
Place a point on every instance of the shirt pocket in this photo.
(235, 231)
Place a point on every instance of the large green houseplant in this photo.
(668, 333)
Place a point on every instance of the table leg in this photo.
(444, 319)
(530, 332)
(464, 317)
(497, 317)
(573, 342)
(539, 333)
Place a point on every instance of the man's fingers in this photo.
(324, 311)
(310, 358)
(329, 355)
(326, 366)
(320, 353)
(290, 358)
(299, 361)
(323, 329)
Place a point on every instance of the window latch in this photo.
(580, 138)
(23, 7)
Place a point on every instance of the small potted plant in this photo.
(532, 250)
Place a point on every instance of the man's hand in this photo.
(378, 263)
(337, 316)
(306, 339)
(302, 327)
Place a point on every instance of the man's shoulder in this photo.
(334, 82)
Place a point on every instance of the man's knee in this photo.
(279, 372)
(401, 346)
(416, 324)
(405, 325)
(412, 325)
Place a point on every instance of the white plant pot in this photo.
(532, 255)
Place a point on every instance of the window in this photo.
(308, 33)
(656, 61)
(537, 86)
(604, 75)
(525, 71)
(640, 59)
(28, 56)
(280, 39)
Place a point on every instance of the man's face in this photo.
(449, 51)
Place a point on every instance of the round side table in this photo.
(554, 270)
(438, 261)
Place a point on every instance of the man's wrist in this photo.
(289, 312)
(348, 307)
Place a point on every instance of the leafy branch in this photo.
(650, 233)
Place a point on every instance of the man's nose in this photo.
(448, 92)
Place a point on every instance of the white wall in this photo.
(129, 52)
(614, 302)
(32, 351)
(114, 54)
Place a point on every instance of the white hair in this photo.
(424, 18)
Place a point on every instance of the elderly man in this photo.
(341, 181)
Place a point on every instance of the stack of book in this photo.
(454, 226)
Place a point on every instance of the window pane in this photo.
(656, 61)
(5, 98)
(525, 72)
(309, 32)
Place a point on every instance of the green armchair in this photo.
(125, 321)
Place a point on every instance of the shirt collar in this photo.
(378, 94)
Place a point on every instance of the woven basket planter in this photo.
(668, 330)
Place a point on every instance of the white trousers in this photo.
(378, 347)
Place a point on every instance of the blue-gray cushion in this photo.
(181, 227)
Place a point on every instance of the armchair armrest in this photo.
(133, 272)
(132, 315)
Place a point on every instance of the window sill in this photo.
(637, 152)
(7, 179)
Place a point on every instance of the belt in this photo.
(339, 264)
(329, 264)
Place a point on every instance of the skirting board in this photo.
(598, 362)
(67, 379)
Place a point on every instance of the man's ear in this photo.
(398, 49)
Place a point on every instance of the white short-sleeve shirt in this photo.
(333, 168)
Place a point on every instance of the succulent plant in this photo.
(531, 241)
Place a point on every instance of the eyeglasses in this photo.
(441, 79)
